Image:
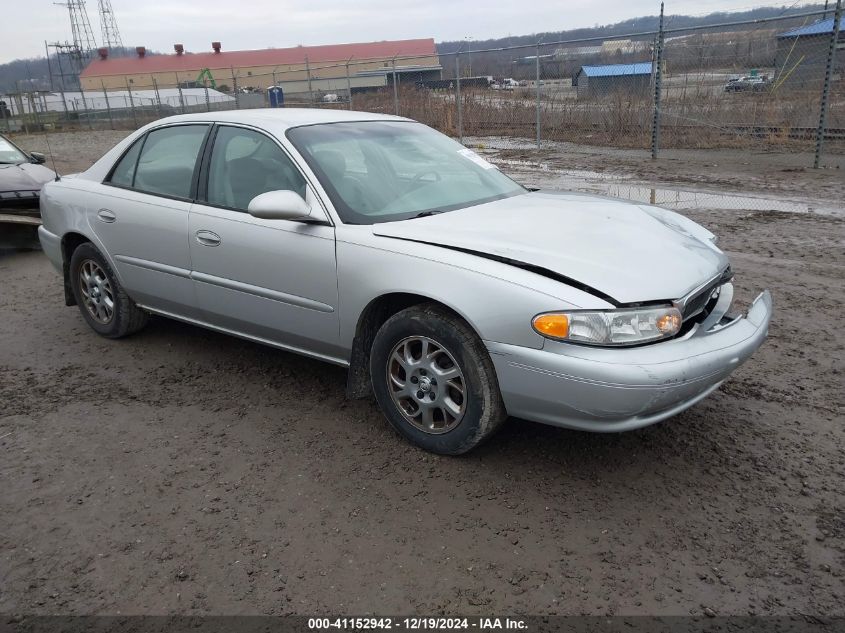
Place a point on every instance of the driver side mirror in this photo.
(281, 205)
(38, 158)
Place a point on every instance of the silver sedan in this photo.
(453, 294)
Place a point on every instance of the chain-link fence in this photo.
(770, 82)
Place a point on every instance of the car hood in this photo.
(629, 252)
(24, 177)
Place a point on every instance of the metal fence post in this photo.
(6, 125)
(537, 72)
(36, 119)
(308, 74)
(20, 107)
(458, 97)
(158, 96)
(64, 105)
(85, 106)
(828, 73)
(181, 96)
(108, 105)
(658, 80)
(349, 83)
(235, 88)
(131, 102)
(395, 91)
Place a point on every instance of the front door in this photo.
(275, 280)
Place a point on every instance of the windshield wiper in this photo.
(425, 214)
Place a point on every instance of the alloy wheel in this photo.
(426, 384)
(97, 295)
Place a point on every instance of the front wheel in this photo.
(104, 304)
(434, 380)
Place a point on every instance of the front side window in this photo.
(245, 164)
(167, 161)
(380, 171)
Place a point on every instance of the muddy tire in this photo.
(103, 302)
(434, 380)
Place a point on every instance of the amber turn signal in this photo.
(552, 325)
(669, 323)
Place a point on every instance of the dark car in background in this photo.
(22, 174)
(756, 83)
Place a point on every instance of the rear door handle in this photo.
(106, 216)
(208, 238)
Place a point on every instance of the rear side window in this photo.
(167, 161)
(124, 172)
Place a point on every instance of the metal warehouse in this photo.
(600, 81)
(801, 56)
(299, 70)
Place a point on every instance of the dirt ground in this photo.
(183, 471)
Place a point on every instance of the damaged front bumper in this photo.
(609, 390)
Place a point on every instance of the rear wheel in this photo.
(104, 304)
(434, 380)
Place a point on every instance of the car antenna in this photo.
(52, 158)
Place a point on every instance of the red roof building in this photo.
(283, 63)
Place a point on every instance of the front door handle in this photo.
(208, 238)
(106, 216)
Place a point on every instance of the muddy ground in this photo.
(183, 471)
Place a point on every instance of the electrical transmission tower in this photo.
(80, 26)
(111, 35)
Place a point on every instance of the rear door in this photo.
(140, 213)
(271, 279)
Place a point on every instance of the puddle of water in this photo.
(539, 174)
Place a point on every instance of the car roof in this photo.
(281, 117)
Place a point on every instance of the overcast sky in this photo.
(244, 24)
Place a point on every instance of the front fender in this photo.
(496, 299)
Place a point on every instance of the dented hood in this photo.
(631, 253)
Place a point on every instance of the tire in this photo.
(104, 304)
(465, 409)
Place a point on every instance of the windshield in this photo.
(380, 171)
(11, 154)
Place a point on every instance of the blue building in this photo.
(801, 57)
(602, 81)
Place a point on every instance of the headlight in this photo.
(609, 327)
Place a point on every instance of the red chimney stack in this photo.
(141, 50)
(216, 46)
(179, 49)
(103, 53)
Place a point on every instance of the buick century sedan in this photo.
(451, 293)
